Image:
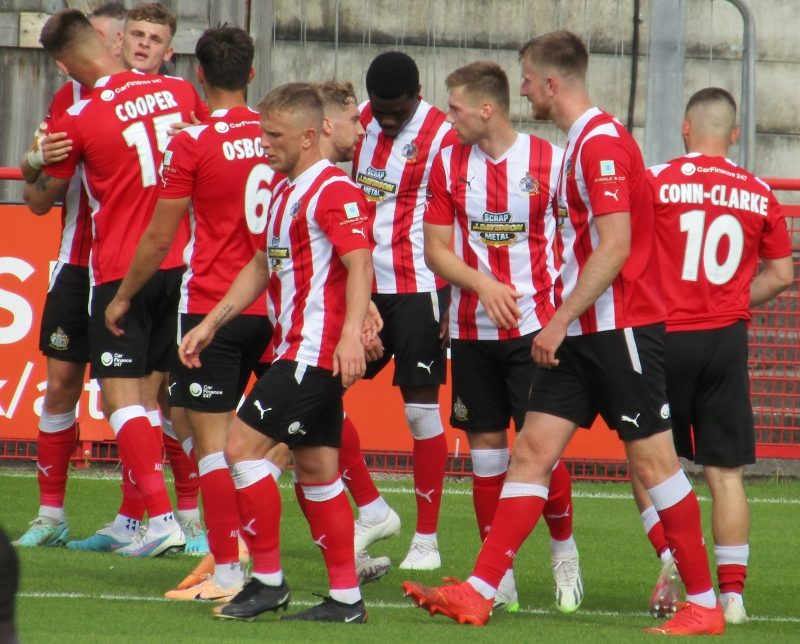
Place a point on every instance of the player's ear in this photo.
(686, 128)
(327, 126)
(201, 77)
(167, 55)
(62, 67)
(251, 75)
(734, 136)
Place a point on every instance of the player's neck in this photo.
(498, 139)
(88, 72)
(570, 108)
(707, 147)
(306, 160)
(220, 99)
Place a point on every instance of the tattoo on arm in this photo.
(222, 317)
(42, 182)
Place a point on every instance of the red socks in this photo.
(485, 496)
(52, 462)
(220, 509)
(430, 460)
(185, 473)
(352, 468)
(558, 509)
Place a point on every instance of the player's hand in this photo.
(500, 302)
(55, 147)
(547, 341)
(374, 350)
(193, 343)
(349, 359)
(182, 125)
(373, 324)
(115, 313)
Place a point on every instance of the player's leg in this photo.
(413, 326)
(63, 341)
(58, 435)
(522, 500)
(481, 406)
(724, 444)
(634, 404)
(318, 405)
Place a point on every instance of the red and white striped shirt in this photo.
(604, 173)
(393, 173)
(504, 226)
(76, 220)
(313, 221)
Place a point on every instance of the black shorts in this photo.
(618, 374)
(296, 404)
(227, 364)
(64, 332)
(491, 383)
(411, 325)
(709, 393)
(150, 326)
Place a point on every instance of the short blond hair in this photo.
(294, 99)
(482, 78)
(156, 13)
(336, 93)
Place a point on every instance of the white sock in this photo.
(162, 524)
(125, 527)
(563, 548)
(426, 540)
(485, 590)
(228, 575)
(274, 579)
(346, 595)
(374, 511)
(724, 598)
(192, 514)
(707, 599)
(56, 515)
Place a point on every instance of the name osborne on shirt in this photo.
(242, 149)
(144, 105)
(728, 197)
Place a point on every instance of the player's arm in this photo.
(602, 267)
(499, 300)
(43, 193)
(348, 358)
(150, 252)
(777, 275)
(44, 150)
(248, 285)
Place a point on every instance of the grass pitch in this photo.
(78, 597)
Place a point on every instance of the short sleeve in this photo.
(342, 213)
(179, 167)
(66, 168)
(439, 209)
(606, 166)
(775, 241)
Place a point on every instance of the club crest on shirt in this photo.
(410, 152)
(562, 214)
(497, 228)
(59, 340)
(294, 209)
(373, 182)
(568, 167)
(529, 185)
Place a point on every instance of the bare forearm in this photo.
(358, 293)
(248, 285)
(776, 277)
(150, 252)
(29, 173)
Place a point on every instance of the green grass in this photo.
(84, 597)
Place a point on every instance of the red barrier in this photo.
(375, 407)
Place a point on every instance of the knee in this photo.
(62, 394)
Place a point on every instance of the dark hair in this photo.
(393, 74)
(562, 49)
(712, 95)
(156, 13)
(483, 78)
(63, 29)
(113, 10)
(225, 54)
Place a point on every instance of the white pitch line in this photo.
(528, 610)
(396, 489)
